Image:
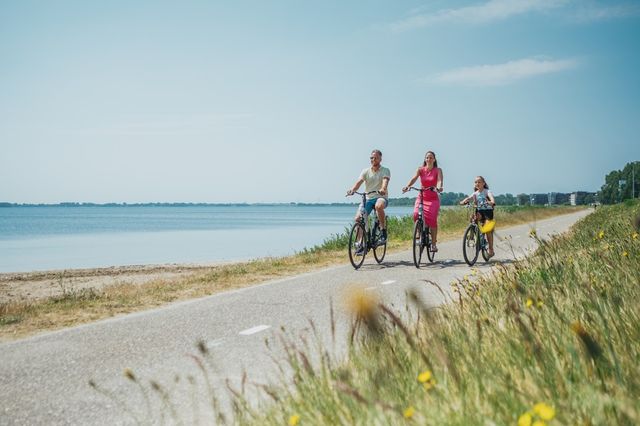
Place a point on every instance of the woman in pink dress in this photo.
(430, 176)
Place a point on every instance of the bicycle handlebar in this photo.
(430, 188)
(364, 193)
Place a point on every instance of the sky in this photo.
(283, 101)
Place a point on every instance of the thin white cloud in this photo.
(492, 10)
(501, 74)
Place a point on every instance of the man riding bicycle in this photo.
(375, 178)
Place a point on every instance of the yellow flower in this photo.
(539, 423)
(529, 303)
(634, 236)
(409, 412)
(540, 303)
(425, 376)
(294, 420)
(625, 253)
(525, 419)
(601, 234)
(545, 411)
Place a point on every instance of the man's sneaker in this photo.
(359, 249)
(383, 237)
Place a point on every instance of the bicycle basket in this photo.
(487, 226)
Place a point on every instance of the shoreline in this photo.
(41, 285)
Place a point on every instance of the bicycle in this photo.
(474, 241)
(421, 232)
(364, 237)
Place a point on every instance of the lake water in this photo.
(56, 237)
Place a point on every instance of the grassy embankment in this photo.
(554, 338)
(78, 306)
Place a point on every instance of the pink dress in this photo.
(431, 205)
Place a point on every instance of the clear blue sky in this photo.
(278, 101)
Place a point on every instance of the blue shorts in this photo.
(368, 207)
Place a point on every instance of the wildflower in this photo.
(634, 236)
(601, 234)
(529, 303)
(625, 254)
(294, 420)
(539, 423)
(409, 412)
(425, 376)
(427, 380)
(545, 411)
(540, 303)
(525, 419)
(361, 303)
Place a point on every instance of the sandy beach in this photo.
(32, 286)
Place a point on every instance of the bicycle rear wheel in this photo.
(471, 244)
(418, 243)
(485, 247)
(379, 250)
(357, 247)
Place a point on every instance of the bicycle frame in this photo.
(364, 219)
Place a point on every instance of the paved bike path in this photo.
(44, 379)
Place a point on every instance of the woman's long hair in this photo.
(435, 163)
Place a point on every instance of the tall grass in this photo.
(554, 338)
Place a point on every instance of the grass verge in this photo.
(23, 318)
(552, 339)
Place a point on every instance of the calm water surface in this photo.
(45, 238)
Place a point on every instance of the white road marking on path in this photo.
(388, 282)
(214, 343)
(254, 330)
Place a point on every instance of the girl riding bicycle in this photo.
(484, 201)
(430, 176)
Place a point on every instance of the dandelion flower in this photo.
(525, 419)
(409, 412)
(601, 234)
(294, 420)
(425, 376)
(545, 411)
(529, 303)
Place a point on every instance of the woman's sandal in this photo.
(434, 248)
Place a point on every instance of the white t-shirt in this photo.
(373, 180)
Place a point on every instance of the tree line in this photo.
(620, 185)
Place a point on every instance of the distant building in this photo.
(582, 197)
(558, 198)
(539, 199)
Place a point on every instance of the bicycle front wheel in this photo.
(418, 243)
(471, 244)
(379, 250)
(430, 254)
(357, 245)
